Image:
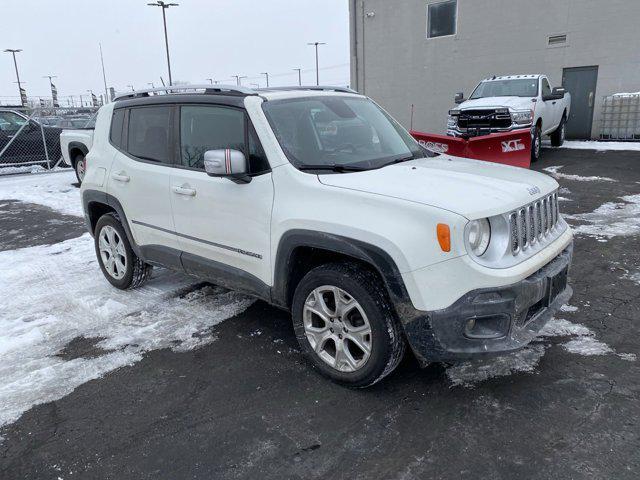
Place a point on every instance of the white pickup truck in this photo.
(502, 104)
(75, 144)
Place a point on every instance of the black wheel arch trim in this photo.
(96, 196)
(380, 260)
(77, 146)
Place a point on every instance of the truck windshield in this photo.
(521, 87)
(340, 133)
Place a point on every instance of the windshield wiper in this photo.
(333, 168)
(400, 160)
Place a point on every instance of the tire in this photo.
(364, 307)
(80, 166)
(557, 137)
(536, 144)
(126, 271)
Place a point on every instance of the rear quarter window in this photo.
(117, 122)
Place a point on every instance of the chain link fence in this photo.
(30, 138)
(621, 117)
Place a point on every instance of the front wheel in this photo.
(557, 137)
(536, 144)
(345, 325)
(118, 262)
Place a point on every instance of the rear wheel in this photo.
(80, 167)
(536, 143)
(557, 137)
(345, 324)
(118, 262)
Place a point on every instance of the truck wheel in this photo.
(80, 167)
(118, 262)
(536, 144)
(345, 324)
(557, 137)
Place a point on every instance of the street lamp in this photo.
(210, 80)
(266, 74)
(152, 85)
(13, 52)
(164, 6)
(90, 98)
(239, 78)
(317, 70)
(131, 87)
(299, 70)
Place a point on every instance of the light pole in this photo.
(90, 98)
(131, 87)
(164, 6)
(317, 70)
(239, 78)
(152, 85)
(13, 52)
(104, 75)
(299, 70)
(266, 74)
(53, 99)
(210, 80)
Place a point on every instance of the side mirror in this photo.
(228, 163)
(558, 92)
(459, 98)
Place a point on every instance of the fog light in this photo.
(489, 327)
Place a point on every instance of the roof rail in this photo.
(208, 89)
(323, 88)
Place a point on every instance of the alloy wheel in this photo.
(81, 169)
(337, 328)
(112, 252)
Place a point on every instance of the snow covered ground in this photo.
(54, 294)
(599, 146)
(53, 190)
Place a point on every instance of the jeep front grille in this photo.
(533, 223)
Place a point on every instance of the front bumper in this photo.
(492, 320)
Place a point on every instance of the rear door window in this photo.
(148, 135)
(117, 121)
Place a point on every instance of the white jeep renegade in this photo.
(317, 201)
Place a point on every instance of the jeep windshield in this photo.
(339, 134)
(521, 87)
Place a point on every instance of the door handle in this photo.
(553, 103)
(189, 192)
(120, 177)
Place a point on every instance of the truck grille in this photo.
(533, 223)
(484, 119)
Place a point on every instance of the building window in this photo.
(441, 18)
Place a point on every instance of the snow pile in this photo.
(601, 146)
(554, 171)
(63, 296)
(467, 374)
(611, 219)
(54, 190)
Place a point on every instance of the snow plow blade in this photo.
(509, 148)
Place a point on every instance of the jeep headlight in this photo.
(522, 117)
(478, 234)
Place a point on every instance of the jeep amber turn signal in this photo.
(444, 237)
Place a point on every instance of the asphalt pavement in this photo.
(247, 406)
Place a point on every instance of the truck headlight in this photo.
(452, 121)
(478, 236)
(522, 117)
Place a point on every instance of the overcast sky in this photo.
(207, 39)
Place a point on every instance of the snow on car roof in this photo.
(511, 77)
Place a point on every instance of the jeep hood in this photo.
(514, 103)
(471, 188)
